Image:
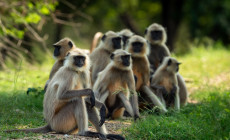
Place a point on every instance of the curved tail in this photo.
(43, 129)
(95, 41)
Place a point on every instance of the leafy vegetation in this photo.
(207, 71)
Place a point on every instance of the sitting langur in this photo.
(125, 34)
(164, 82)
(61, 48)
(115, 84)
(110, 42)
(156, 36)
(64, 102)
(139, 50)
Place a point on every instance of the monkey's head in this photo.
(125, 35)
(171, 64)
(77, 60)
(62, 47)
(156, 34)
(121, 60)
(111, 41)
(137, 46)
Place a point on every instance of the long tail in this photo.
(95, 41)
(43, 129)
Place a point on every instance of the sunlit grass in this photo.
(208, 74)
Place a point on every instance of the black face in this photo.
(124, 39)
(116, 42)
(57, 50)
(79, 61)
(156, 35)
(177, 69)
(137, 46)
(125, 60)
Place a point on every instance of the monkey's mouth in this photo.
(137, 47)
(156, 35)
(57, 50)
(79, 61)
(126, 63)
(79, 64)
(116, 43)
(126, 60)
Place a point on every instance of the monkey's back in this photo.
(61, 82)
(100, 58)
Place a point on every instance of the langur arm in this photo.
(134, 97)
(153, 98)
(102, 107)
(175, 97)
(71, 94)
(162, 90)
(126, 103)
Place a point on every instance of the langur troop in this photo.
(123, 73)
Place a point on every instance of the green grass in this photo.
(208, 73)
(206, 70)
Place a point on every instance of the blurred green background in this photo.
(29, 28)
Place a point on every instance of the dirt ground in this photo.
(113, 127)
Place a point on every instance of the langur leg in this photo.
(177, 102)
(183, 93)
(126, 103)
(93, 116)
(134, 103)
(64, 121)
(82, 120)
(153, 98)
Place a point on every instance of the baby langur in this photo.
(139, 50)
(110, 42)
(125, 34)
(156, 37)
(114, 85)
(64, 102)
(164, 82)
(61, 48)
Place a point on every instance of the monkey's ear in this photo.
(169, 62)
(146, 30)
(165, 29)
(103, 37)
(112, 56)
(70, 44)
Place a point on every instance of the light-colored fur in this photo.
(100, 57)
(61, 114)
(142, 71)
(125, 33)
(159, 50)
(165, 76)
(116, 79)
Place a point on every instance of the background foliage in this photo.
(28, 28)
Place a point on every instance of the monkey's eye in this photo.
(56, 46)
(79, 58)
(156, 34)
(169, 62)
(70, 44)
